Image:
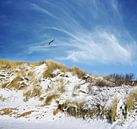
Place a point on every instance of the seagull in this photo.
(51, 42)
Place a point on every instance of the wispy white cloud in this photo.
(41, 9)
(37, 48)
(44, 47)
(101, 47)
(91, 35)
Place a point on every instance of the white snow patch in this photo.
(39, 70)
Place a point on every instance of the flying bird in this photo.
(51, 42)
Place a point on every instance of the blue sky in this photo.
(99, 36)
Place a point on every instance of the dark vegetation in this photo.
(126, 79)
(77, 110)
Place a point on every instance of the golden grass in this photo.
(108, 78)
(7, 64)
(35, 92)
(15, 83)
(25, 114)
(93, 112)
(52, 65)
(74, 109)
(2, 98)
(27, 95)
(113, 110)
(4, 85)
(49, 99)
(78, 72)
(8, 111)
(22, 72)
(132, 101)
(37, 63)
(55, 112)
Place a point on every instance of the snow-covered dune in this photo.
(50, 95)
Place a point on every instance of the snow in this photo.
(63, 123)
(39, 70)
(75, 90)
(43, 117)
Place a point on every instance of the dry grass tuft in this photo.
(27, 95)
(52, 65)
(103, 82)
(132, 101)
(77, 109)
(55, 112)
(4, 85)
(37, 63)
(113, 111)
(74, 109)
(6, 64)
(25, 114)
(49, 99)
(35, 92)
(15, 83)
(8, 111)
(78, 72)
(2, 98)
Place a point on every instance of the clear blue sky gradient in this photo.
(99, 36)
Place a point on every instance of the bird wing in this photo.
(50, 42)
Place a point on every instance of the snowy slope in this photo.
(28, 99)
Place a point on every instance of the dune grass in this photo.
(4, 85)
(25, 114)
(35, 92)
(7, 64)
(49, 99)
(8, 111)
(52, 65)
(132, 101)
(74, 109)
(77, 109)
(78, 72)
(2, 98)
(113, 110)
(15, 83)
(56, 111)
